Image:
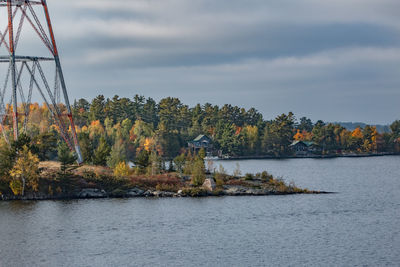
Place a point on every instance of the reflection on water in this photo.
(356, 226)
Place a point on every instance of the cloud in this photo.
(337, 59)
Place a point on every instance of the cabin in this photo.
(304, 148)
(201, 141)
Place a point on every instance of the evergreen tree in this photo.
(101, 153)
(66, 158)
(86, 147)
(117, 154)
(97, 109)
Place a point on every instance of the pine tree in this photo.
(101, 153)
(66, 158)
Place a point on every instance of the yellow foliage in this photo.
(25, 171)
(148, 144)
(121, 169)
(96, 128)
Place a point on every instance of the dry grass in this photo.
(49, 164)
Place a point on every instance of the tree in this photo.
(142, 160)
(101, 153)
(121, 169)
(66, 158)
(97, 109)
(25, 172)
(278, 135)
(198, 172)
(179, 162)
(86, 146)
(46, 145)
(117, 154)
(305, 124)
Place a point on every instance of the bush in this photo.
(266, 176)
(249, 176)
(121, 170)
(219, 182)
(167, 187)
(194, 192)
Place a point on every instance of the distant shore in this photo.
(309, 156)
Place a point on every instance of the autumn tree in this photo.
(121, 169)
(25, 172)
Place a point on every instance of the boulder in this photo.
(92, 193)
(135, 192)
(209, 184)
(163, 194)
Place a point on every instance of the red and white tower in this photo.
(28, 70)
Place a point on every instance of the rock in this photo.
(209, 184)
(148, 193)
(135, 192)
(92, 193)
(235, 190)
(163, 194)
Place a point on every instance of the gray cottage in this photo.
(201, 141)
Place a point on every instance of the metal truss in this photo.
(31, 66)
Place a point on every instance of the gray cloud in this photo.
(331, 60)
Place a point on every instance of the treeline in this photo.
(124, 129)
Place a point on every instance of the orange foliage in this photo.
(298, 136)
(357, 133)
(238, 130)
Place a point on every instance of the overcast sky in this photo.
(335, 60)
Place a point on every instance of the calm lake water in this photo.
(357, 226)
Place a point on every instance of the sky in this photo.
(335, 60)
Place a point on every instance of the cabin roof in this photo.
(201, 136)
(306, 143)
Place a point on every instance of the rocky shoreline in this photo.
(94, 193)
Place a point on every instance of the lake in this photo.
(359, 225)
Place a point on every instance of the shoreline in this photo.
(91, 193)
(310, 156)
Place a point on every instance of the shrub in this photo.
(198, 174)
(249, 176)
(167, 187)
(194, 192)
(121, 170)
(266, 176)
(219, 182)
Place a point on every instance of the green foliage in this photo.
(7, 159)
(117, 154)
(46, 145)
(198, 173)
(166, 127)
(66, 158)
(97, 109)
(194, 192)
(179, 162)
(249, 176)
(86, 147)
(142, 160)
(278, 135)
(101, 153)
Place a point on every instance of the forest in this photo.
(126, 144)
(122, 129)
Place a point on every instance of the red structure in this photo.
(25, 14)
